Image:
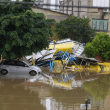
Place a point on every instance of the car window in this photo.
(9, 63)
(19, 63)
(1, 62)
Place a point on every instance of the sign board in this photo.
(83, 106)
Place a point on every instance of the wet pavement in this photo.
(54, 91)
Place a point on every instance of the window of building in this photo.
(100, 24)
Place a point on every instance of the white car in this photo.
(18, 67)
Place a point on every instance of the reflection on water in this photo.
(14, 96)
(98, 88)
(48, 91)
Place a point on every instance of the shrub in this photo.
(100, 45)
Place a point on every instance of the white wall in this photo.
(101, 3)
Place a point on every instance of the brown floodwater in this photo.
(54, 91)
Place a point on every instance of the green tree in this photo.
(100, 45)
(75, 28)
(22, 31)
(51, 21)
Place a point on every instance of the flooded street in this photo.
(54, 91)
(54, 55)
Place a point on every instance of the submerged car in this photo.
(18, 67)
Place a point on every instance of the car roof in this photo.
(11, 60)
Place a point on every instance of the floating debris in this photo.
(67, 54)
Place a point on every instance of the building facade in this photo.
(100, 17)
(52, 4)
(67, 6)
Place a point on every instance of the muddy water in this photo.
(58, 91)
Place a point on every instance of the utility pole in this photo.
(79, 4)
(72, 8)
(87, 101)
(67, 6)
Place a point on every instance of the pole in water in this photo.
(87, 101)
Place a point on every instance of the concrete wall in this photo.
(51, 14)
(57, 18)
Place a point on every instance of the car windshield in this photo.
(26, 63)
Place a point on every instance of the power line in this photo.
(72, 26)
(41, 8)
(50, 5)
(74, 6)
(45, 8)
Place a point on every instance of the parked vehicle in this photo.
(18, 67)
